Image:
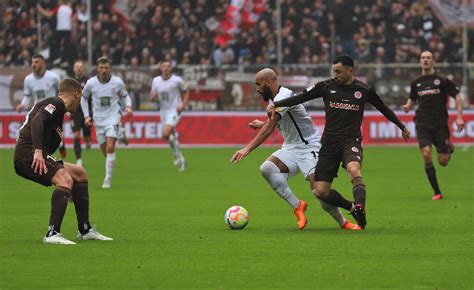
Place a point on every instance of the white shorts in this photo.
(102, 132)
(299, 159)
(170, 117)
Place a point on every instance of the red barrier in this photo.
(230, 128)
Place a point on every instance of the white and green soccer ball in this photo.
(236, 217)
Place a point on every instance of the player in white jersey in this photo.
(38, 85)
(299, 152)
(107, 92)
(168, 89)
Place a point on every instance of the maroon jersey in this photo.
(42, 128)
(431, 93)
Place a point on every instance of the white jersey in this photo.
(295, 125)
(37, 88)
(169, 91)
(106, 98)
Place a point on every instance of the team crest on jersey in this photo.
(50, 108)
(357, 95)
(437, 82)
(114, 90)
(355, 149)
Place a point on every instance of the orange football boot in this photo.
(350, 226)
(300, 216)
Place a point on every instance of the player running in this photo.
(299, 152)
(431, 91)
(106, 92)
(168, 89)
(344, 101)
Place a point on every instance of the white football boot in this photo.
(58, 239)
(107, 183)
(181, 164)
(93, 234)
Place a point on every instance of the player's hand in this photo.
(239, 155)
(406, 108)
(256, 124)
(38, 164)
(459, 123)
(406, 134)
(271, 110)
(19, 108)
(88, 121)
(128, 111)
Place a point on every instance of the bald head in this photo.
(267, 83)
(266, 74)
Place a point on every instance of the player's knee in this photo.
(268, 168)
(62, 178)
(274, 177)
(166, 135)
(321, 191)
(82, 175)
(426, 154)
(77, 135)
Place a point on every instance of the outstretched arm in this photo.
(308, 94)
(265, 131)
(390, 115)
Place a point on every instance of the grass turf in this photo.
(169, 230)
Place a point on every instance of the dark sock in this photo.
(80, 197)
(358, 190)
(336, 199)
(59, 201)
(431, 173)
(77, 148)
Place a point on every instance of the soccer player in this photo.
(168, 89)
(344, 101)
(106, 92)
(40, 84)
(299, 152)
(431, 91)
(77, 118)
(39, 137)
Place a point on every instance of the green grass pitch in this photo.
(169, 230)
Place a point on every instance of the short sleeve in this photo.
(450, 88)
(26, 89)
(182, 85)
(86, 91)
(122, 91)
(413, 93)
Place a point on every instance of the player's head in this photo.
(427, 60)
(70, 91)
(104, 67)
(37, 64)
(79, 68)
(265, 80)
(166, 68)
(342, 68)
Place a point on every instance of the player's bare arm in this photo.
(153, 95)
(408, 106)
(459, 119)
(261, 136)
(185, 101)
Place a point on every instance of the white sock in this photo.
(109, 165)
(174, 144)
(279, 183)
(334, 211)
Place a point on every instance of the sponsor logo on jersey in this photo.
(50, 108)
(437, 82)
(429, 92)
(355, 149)
(344, 106)
(357, 95)
(59, 130)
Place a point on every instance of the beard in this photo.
(266, 94)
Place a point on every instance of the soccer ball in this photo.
(236, 217)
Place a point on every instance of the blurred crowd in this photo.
(373, 31)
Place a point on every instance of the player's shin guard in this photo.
(278, 182)
(77, 148)
(109, 165)
(431, 174)
(174, 144)
(336, 199)
(80, 197)
(358, 190)
(335, 212)
(59, 200)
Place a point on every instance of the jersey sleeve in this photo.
(314, 92)
(122, 91)
(48, 111)
(377, 102)
(413, 93)
(57, 80)
(86, 91)
(27, 92)
(282, 110)
(182, 85)
(450, 88)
